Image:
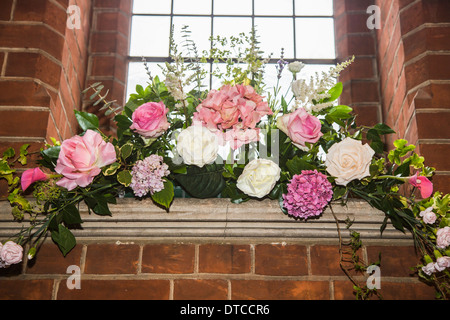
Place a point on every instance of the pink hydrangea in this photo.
(308, 194)
(238, 108)
(147, 175)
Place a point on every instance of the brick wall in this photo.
(414, 60)
(223, 271)
(108, 48)
(43, 70)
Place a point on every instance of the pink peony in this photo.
(237, 108)
(423, 184)
(10, 253)
(150, 120)
(30, 176)
(81, 159)
(301, 127)
(443, 238)
(308, 194)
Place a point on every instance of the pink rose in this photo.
(11, 253)
(301, 127)
(150, 120)
(428, 215)
(429, 268)
(81, 159)
(30, 176)
(443, 238)
(423, 184)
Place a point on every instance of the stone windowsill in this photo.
(219, 220)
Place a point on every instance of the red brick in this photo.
(364, 91)
(116, 290)
(280, 260)
(112, 259)
(33, 65)
(113, 21)
(279, 290)
(435, 38)
(32, 36)
(109, 66)
(187, 289)
(26, 289)
(172, 258)
(325, 261)
(366, 115)
(406, 291)
(5, 10)
(430, 67)
(12, 94)
(436, 155)
(433, 125)
(124, 5)
(396, 261)
(50, 260)
(441, 182)
(361, 68)
(224, 258)
(41, 11)
(12, 123)
(106, 42)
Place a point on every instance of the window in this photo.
(303, 28)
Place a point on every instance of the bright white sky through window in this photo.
(303, 28)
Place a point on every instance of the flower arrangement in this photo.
(241, 141)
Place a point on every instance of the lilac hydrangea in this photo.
(147, 175)
(308, 194)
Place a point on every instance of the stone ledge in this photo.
(219, 220)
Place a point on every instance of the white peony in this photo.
(197, 146)
(349, 160)
(259, 177)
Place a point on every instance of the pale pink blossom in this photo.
(442, 263)
(301, 127)
(443, 237)
(150, 120)
(428, 215)
(429, 268)
(81, 159)
(10, 253)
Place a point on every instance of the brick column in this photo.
(414, 62)
(43, 65)
(108, 52)
(361, 82)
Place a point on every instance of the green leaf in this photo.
(165, 196)
(335, 92)
(123, 122)
(383, 129)
(124, 177)
(64, 239)
(23, 154)
(5, 169)
(9, 153)
(296, 165)
(71, 215)
(206, 182)
(126, 150)
(87, 120)
(111, 169)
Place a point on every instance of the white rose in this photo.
(197, 146)
(295, 67)
(349, 160)
(259, 177)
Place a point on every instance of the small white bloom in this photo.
(295, 67)
(429, 268)
(442, 263)
(197, 146)
(259, 177)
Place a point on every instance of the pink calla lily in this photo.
(30, 176)
(422, 183)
